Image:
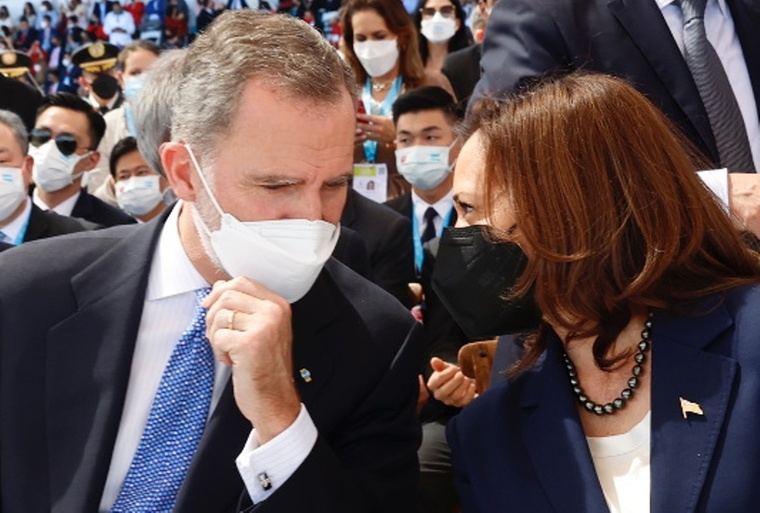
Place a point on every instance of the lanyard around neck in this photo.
(385, 109)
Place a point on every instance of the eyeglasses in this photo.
(447, 11)
(66, 143)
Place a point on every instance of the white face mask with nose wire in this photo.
(284, 255)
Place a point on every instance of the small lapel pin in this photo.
(690, 407)
(305, 375)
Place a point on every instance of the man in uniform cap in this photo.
(97, 61)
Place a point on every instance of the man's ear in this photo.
(179, 170)
(26, 170)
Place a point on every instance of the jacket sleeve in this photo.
(369, 465)
(523, 41)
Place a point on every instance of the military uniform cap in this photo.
(96, 57)
(14, 64)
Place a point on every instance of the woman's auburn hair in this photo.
(608, 205)
(399, 22)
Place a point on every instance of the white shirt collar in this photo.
(171, 271)
(443, 206)
(12, 229)
(662, 4)
(64, 208)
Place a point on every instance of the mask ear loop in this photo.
(204, 181)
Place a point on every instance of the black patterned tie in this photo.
(715, 90)
(429, 233)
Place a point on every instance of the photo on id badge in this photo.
(371, 181)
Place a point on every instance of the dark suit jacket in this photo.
(67, 331)
(385, 234)
(46, 223)
(462, 68)
(520, 447)
(99, 212)
(626, 38)
(352, 252)
(4, 246)
(442, 337)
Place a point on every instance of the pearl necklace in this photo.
(633, 382)
(381, 86)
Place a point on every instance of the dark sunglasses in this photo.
(447, 11)
(66, 143)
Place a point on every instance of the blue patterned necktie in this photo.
(175, 424)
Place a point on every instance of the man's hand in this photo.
(449, 385)
(744, 200)
(249, 328)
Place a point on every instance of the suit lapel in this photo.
(555, 439)
(682, 369)
(645, 24)
(87, 368)
(83, 206)
(38, 225)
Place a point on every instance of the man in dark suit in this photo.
(20, 220)
(151, 383)
(462, 68)
(65, 136)
(427, 147)
(385, 235)
(642, 42)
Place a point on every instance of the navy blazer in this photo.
(520, 447)
(625, 38)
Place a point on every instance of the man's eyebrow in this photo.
(348, 175)
(274, 180)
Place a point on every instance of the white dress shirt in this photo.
(169, 307)
(13, 229)
(622, 463)
(64, 208)
(443, 207)
(719, 26)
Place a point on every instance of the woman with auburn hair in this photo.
(635, 299)
(380, 44)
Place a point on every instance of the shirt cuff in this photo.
(717, 181)
(264, 468)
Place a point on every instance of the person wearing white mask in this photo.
(20, 220)
(133, 61)
(381, 47)
(217, 357)
(65, 135)
(442, 30)
(426, 149)
(139, 190)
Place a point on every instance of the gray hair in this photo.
(18, 129)
(155, 105)
(282, 52)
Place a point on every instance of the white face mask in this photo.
(439, 29)
(12, 190)
(133, 86)
(52, 169)
(286, 256)
(377, 57)
(139, 195)
(425, 167)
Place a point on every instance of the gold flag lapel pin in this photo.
(690, 407)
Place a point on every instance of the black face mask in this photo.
(105, 86)
(473, 274)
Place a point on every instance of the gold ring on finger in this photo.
(231, 320)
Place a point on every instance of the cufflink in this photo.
(264, 481)
(305, 375)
